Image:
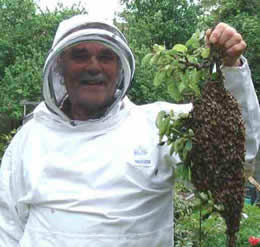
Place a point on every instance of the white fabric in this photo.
(77, 20)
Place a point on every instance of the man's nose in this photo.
(93, 66)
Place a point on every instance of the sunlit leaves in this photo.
(180, 48)
(159, 78)
(179, 138)
(183, 68)
(195, 40)
(174, 91)
(146, 59)
(205, 52)
(146, 23)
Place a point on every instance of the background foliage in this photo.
(169, 22)
(187, 223)
(150, 22)
(26, 37)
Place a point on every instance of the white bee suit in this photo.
(98, 183)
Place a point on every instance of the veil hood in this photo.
(71, 32)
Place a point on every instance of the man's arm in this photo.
(11, 229)
(238, 81)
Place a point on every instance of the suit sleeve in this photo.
(11, 227)
(238, 81)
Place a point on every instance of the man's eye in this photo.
(79, 56)
(106, 57)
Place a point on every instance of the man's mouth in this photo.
(92, 83)
(87, 79)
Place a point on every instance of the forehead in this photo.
(91, 47)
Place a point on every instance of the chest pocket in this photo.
(151, 169)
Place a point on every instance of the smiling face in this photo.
(90, 71)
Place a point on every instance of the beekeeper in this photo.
(87, 170)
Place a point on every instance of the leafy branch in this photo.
(184, 69)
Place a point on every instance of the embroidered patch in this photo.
(141, 157)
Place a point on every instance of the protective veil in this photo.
(75, 31)
(102, 182)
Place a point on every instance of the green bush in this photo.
(212, 232)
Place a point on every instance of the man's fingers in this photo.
(217, 33)
(236, 50)
(228, 40)
(226, 34)
(234, 40)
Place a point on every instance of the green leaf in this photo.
(194, 76)
(159, 77)
(219, 208)
(182, 172)
(171, 52)
(154, 59)
(164, 59)
(184, 77)
(203, 196)
(180, 48)
(147, 59)
(195, 88)
(159, 118)
(189, 42)
(174, 92)
(192, 59)
(194, 43)
(214, 76)
(194, 79)
(188, 145)
(158, 48)
(164, 125)
(172, 149)
(172, 113)
(185, 153)
(205, 52)
(19, 91)
(191, 132)
(179, 145)
(181, 86)
(168, 69)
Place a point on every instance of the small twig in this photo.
(194, 65)
(177, 131)
(200, 234)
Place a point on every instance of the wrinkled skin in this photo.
(229, 40)
(90, 73)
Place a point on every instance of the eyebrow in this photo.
(108, 51)
(78, 50)
(105, 51)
